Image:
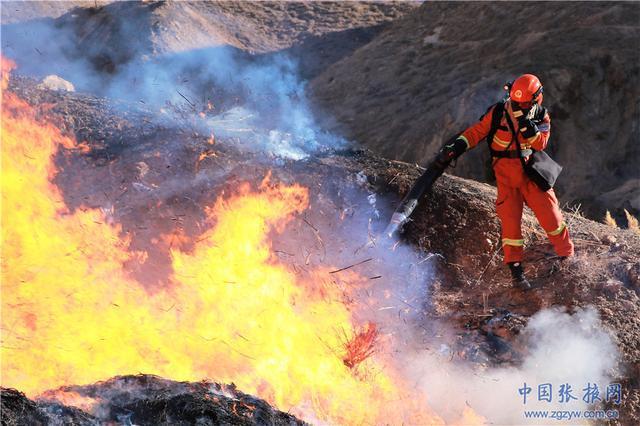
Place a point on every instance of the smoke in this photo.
(258, 103)
(557, 347)
(561, 349)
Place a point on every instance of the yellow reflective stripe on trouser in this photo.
(512, 242)
(559, 230)
(465, 141)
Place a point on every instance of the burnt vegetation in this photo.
(454, 225)
(157, 177)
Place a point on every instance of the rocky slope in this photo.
(455, 223)
(135, 162)
(436, 70)
(109, 35)
(141, 399)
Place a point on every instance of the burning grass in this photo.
(258, 327)
(71, 312)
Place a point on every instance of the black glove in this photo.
(538, 115)
(527, 127)
(450, 151)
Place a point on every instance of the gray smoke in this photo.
(257, 100)
(259, 103)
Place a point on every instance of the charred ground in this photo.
(154, 179)
(144, 399)
(157, 183)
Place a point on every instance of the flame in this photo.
(71, 399)
(6, 65)
(208, 153)
(470, 417)
(231, 311)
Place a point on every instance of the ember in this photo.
(361, 346)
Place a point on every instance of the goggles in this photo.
(524, 105)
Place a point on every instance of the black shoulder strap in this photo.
(515, 138)
(496, 116)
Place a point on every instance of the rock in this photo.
(143, 169)
(53, 82)
(612, 287)
(609, 239)
(628, 305)
(633, 276)
(503, 332)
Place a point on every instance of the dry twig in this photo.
(351, 266)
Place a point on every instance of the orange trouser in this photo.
(509, 206)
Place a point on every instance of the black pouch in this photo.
(540, 168)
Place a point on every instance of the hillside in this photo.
(470, 296)
(193, 235)
(436, 70)
(317, 33)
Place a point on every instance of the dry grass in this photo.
(609, 220)
(632, 222)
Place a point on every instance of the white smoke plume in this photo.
(258, 100)
(273, 116)
(561, 349)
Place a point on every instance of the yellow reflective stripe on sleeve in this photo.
(465, 141)
(559, 230)
(533, 138)
(512, 242)
(501, 142)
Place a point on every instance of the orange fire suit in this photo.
(515, 188)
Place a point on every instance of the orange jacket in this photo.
(503, 136)
(508, 170)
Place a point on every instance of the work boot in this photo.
(517, 276)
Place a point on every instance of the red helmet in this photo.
(526, 90)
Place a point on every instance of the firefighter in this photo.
(532, 124)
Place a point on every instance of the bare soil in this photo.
(456, 223)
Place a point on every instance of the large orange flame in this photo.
(232, 312)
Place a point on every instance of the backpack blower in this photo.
(451, 150)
